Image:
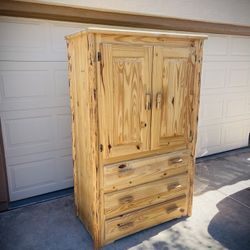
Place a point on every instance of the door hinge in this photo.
(99, 56)
(101, 147)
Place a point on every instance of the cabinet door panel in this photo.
(173, 73)
(125, 84)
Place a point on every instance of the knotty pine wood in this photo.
(111, 101)
(136, 172)
(194, 103)
(170, 89)
(126, 79)
(147, 217)
(82, 79)
(134, 198)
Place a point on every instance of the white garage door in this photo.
(34, 102)
(34, 105)
(225, 95)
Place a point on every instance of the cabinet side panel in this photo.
(194, 102)
(84, 129)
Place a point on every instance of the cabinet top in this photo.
(110, 31)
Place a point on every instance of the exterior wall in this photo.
(222, 11)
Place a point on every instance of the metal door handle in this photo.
(158, 100)
(148, 104)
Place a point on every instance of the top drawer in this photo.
(131, 173)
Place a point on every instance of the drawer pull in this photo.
(122, 166)
(124, 226)
(171, 209)
(126, 199)
(124, 169)
(175, 185)
(175, 160)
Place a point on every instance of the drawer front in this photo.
(144, 195)
(132, 173)
(130, 223)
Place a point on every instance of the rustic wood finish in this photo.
(141, 196)
(131, 173)
(74, 14)
(82, 69)
(136, 221)
(134, 102)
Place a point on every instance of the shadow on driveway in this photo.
(231, 225)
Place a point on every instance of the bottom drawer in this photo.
(132, 222)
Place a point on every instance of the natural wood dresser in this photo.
(134, 102)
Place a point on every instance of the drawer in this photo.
(132, 173)
(132, 222)
(144, 195)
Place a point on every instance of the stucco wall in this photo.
(223, 11)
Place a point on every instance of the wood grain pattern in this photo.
(128, 174)
(134, 102)
(169, 116)
(141, 196)
(126, 79)
(130, 223)
(84, 123)
(194, 81)
(83, 15)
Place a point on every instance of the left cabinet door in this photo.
(125, 99)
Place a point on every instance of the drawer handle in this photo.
(126, 199)
(175, 185)
(122, 166)
(171, 209)
(124, 226)
(175, 160)
(124, 169)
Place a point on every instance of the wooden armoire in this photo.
(134, 102)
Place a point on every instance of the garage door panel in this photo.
(240, 46)
(234, 136)
(211, 109)
(210, 141)
(214, 75)
(225, 77)
(36, 174)
(36, 131)
(34, 40)
(33, 174)
(216, 46)
(30, 85)
(239, 76)
(58, 31)
(235, 106)
(226, 49)
(30, 130)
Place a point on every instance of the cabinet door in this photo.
(173, 72)
(125, 93)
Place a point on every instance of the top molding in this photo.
(74, 14)
(137, 33)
